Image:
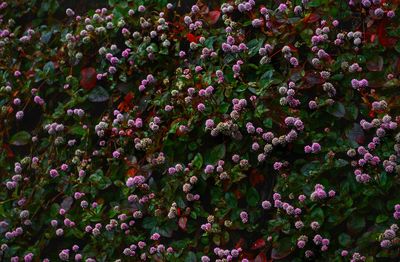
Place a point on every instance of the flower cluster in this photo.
(199, 130)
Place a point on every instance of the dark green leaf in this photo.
(98, 94)
(337, 110)
(216, 153)
(198, 161)
(344, 240)
(252, 197)
(190, 257)
(254, 45)
(21, 138)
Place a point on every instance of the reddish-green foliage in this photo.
(199, 131)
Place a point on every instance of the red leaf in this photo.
(88, 78)
(127, 104)
(192, 38)
(371, 114)
(128, 98)
(132, 172)
(398, 65)
(237, 193)
(372, 39)
(313, 78)
(213, 17)
(258, 244)
(375, 64)
(382, 36)
(256, 177)
(7, 148)
(240, 243)
(292, 48)
(311, 18)
(182, 222)
(261, 258)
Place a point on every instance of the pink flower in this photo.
(201, 107)
(155, 236)
(244, 216)
(116, 154)
(266, 204)
(282, 7)
(278, 165)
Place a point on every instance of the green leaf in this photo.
(149, 222)
(267, 75)
(98, 94)
(255, 45)
(190, 257)
(45, 38)
(77, 130)
(216, 153)
(341, 163)
(356, 223)
(315, 3)
(198, 161)
(352, 112)
(309, 167)
(282, 249)
(344, 239)
(230, 200)
(168, 228)
(267, 122)
(318, 214)
(397, 47)
(21, 138)
(337, 110)
(355, 134)
(381, 218)
(99, 180)
(224, 107)
(48, 68)
(252, 197)
(53, 6)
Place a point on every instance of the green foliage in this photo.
(147, 131)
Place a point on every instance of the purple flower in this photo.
(155, 236)
(19, 115)
(266, 204)
(315, 147)
(301, 244)
(209, 169)
(112, 70)
(69, 12)
(116, 154)
(201, 107)
(171, 170)
(294, 62)
(379, 12)
(282, 7)
(135, 181)
(209, 123)
(53, 173)
(256, 22)
(244, 216)
(386, 243)
(64, 255)
(390, 14)
(307, 149)
(278, 165)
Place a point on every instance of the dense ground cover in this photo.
(199, 131)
